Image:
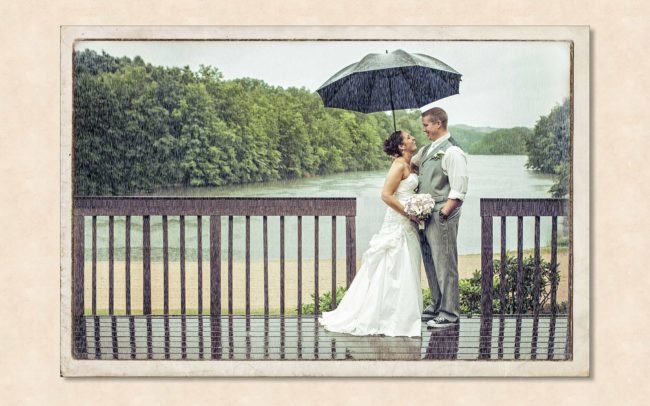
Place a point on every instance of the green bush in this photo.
(470, 289)
(324, 301)
(426, 296)
(470, 294)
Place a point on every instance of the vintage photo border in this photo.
(579, 248)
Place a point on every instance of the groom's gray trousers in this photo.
(440, 257)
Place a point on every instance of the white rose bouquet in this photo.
(420, 206)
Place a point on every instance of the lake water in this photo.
(490, 176)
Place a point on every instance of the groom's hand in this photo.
(452, 204)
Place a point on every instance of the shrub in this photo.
(470, 294)
(470, 289)
(426, 296)
(324, 301)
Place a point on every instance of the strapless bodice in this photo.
(406, 187)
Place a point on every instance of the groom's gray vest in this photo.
(432, 179)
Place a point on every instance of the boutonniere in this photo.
(438, 155)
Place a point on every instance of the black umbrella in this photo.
(390, 81)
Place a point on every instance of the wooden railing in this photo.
(521, 208)
(226, 209)
(214, 209)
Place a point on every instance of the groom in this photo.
(443, 175)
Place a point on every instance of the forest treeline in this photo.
(139, 127)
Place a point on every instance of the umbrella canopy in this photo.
(391, 81)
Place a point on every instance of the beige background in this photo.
(29, 223)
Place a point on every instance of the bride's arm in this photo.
(391, 183)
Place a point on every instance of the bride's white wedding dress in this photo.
(385, 296)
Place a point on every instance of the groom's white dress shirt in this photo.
(454, 165)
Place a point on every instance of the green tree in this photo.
(116, 121)
(205, 140)
(548, 147)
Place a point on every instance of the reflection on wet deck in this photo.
(292, 338)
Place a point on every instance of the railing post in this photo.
(350, 249)
(299, 266)
(199, 271)
(146, 265)
(127, 255)
(146, 281)
(182, 262)
(568, 349)
(316, 268)
(165, 232)
(282, 249)
(537, 282)
(111, 266)
(78, 323)
(199, 263)
(215, 286)
(247, 254)
(487, 268)
(230, 263)
(551, 334)
(502, 288)
(265, 246)
(183, 295)
(333, 303)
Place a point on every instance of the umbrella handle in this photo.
(392, 106)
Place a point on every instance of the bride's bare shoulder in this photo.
(396, 168)
(399, 163)
(399, 169)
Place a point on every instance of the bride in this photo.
(385, 296)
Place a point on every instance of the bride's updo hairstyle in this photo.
(392, 143)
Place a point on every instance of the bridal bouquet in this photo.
(420, 206)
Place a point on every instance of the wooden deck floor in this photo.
(291, 338)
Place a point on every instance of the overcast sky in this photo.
(504, 84)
